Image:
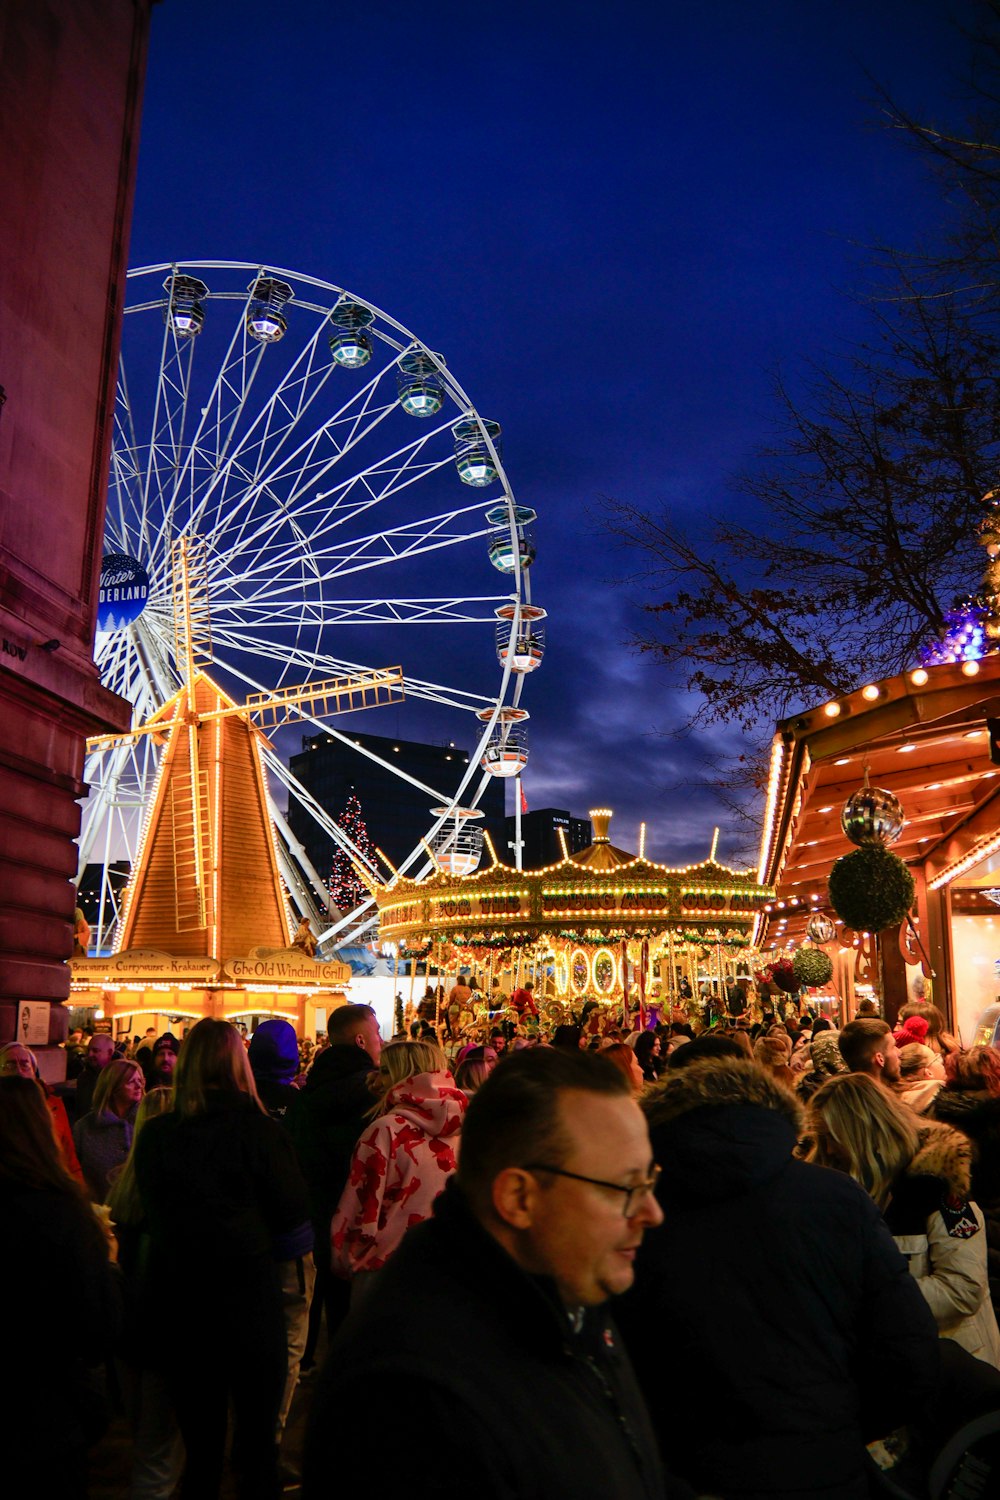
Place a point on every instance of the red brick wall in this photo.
(72, 74)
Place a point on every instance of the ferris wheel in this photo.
(344, 495)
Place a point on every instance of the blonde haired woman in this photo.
(402, 1161)
(224, 1202)
(919, 1175)
(103, 1138)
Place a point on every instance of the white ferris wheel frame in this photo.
(164, 485)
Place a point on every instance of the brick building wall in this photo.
(72, 74)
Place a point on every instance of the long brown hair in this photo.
(29, 1151)
(976, 1069)
(212, 1061)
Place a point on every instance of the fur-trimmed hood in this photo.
(721, 1128)
(712, 1084)
(944, 1154)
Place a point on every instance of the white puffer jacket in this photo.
(942, 1234)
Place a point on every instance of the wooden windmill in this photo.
(206, 881)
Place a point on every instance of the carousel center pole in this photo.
(413, 975)
(672, 985)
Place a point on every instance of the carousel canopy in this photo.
(593, 896)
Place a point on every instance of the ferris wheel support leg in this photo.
(295, 865)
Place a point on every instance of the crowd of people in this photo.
(800, 1229)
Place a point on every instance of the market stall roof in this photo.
(922, 736)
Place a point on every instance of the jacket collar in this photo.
(340, 1060)
(530, 1302)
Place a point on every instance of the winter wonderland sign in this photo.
(124, 591)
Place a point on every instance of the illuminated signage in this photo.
(124, 590)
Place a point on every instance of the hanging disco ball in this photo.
(819, 929)
(872, 815)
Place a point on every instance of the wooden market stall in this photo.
(923, 736)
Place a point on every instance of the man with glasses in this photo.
(487, 1332)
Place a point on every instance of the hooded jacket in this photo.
(274, 1062)
(400, 1165)
(942, 1234)
(773, 1325)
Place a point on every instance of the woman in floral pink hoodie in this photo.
(402, 1161)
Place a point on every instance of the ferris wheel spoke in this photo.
(395, 545)
(320, 664)
(355, 420)
(307, 379)
(326, 728)
(309, 468)
(321, 511)
(252, 451)
(401, 544)
(357, 416)
(329, 825)
(445, 610)
(119, 777)
(167, 423)
(217, 426)
(124, 467)
(160, 677)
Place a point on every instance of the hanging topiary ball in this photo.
(812, 967)
(871, 889)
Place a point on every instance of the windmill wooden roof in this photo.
(240, 903)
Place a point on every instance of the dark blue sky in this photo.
(613, 219)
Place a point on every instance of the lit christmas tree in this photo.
(346, 890)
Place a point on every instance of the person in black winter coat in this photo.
(326, 1122)
(795, 1333)
(224, 1203)
(52, 1244)
(488, 1332)
(274, 1062)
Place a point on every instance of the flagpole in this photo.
(518, 803)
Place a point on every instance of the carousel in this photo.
(602, 925)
